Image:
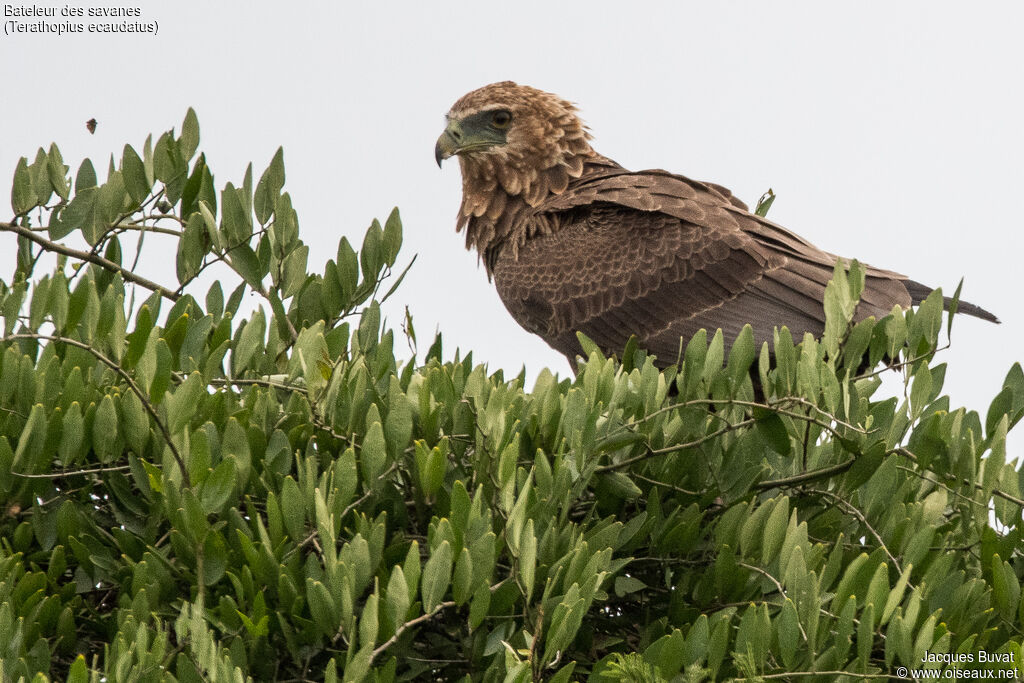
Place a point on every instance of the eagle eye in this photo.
(501, 119)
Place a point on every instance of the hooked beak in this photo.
(448, 144)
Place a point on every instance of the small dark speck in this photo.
(90, 125)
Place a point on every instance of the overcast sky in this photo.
(891, 132)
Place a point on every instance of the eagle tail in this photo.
(919, 292)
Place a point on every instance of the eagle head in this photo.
(520, 140)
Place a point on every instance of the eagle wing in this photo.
(661, 256)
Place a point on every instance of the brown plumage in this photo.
(576, 242)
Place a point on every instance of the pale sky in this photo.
(891, 132)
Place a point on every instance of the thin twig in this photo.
(863, 520)
(778, 586)
(664, 484)
(71, 473)
(679, 447)
(126, 377)
(901, 364)
(270, 384)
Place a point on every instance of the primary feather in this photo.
(574, 242)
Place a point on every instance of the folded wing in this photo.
(661, 256)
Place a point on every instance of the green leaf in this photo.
(71, 434)
(322, 607)
(293, 509)
(86, 177)
(920, 390)
(369, 622)
(104, 430)
(112, 200)
(621, 486)
(430, 466)
(40, 177)
(245, 263)
(370, 256)
(215, 300)
(79, 671)
(348, 270)
(134, 422)
(57, 172)
(189, 140)
(1005, 587)
(38, 305)
(463, 577)
(878, 589)
(479, 606)
(133, 172)
(398, 423)
(139, 337)
(765, 203)
(437, 574)
(373, 456)
(775, 530)
(294, 271)
(588, 345)
(23, 197)
(269, 187)
(250, 341)
(527, 558)
(789, 633)
(896, 594)
(236, 224)
(215, 562)
(693, 363)
(397, 597)
(741, 355)
(954, 304)
(182, 404)
(773, 430)
(236, 444)
(191, 249)
(392, 237)
(624, 585)
(217, 488)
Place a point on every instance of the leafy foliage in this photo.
(192, 495)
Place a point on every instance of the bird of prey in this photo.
(575, 242)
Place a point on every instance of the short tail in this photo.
(918, 292)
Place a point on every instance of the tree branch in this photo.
(995, 492)
(94, 259)
(804, 477)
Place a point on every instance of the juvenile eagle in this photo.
(574, 241)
